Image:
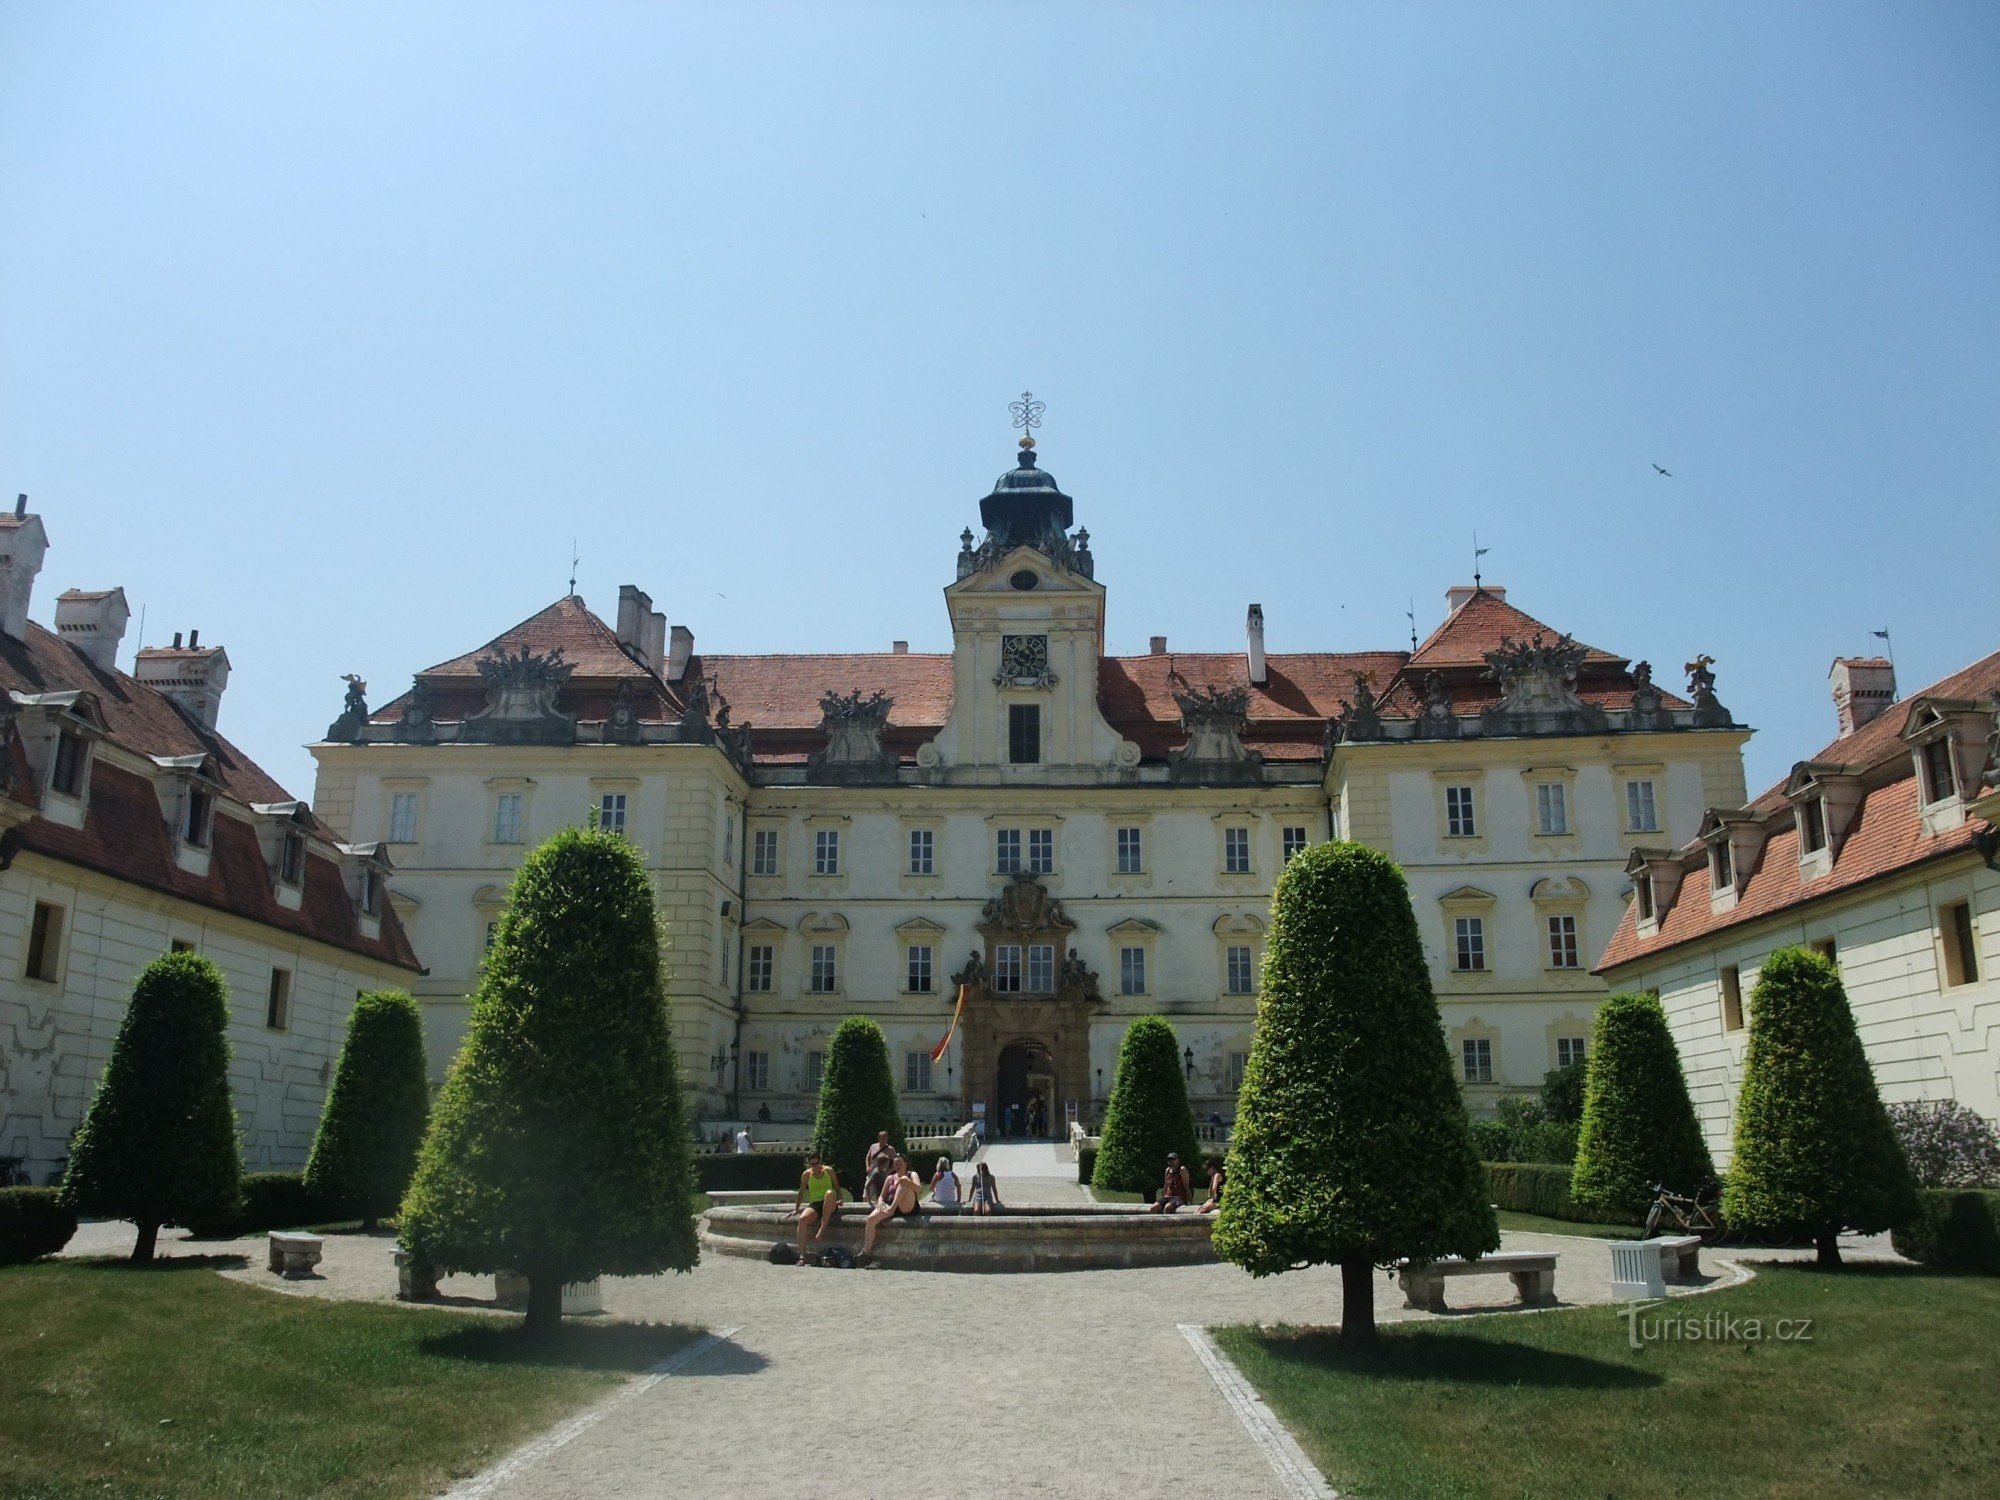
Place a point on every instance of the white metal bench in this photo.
(510, 1289)
(1533, 1274)
(293, 1256)
(1641, 1269)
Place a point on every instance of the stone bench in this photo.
(1680, 1257)
(293, 1256)
(1642, 1269)
(752, 1195)
(510, 1289)
(1533, 1274)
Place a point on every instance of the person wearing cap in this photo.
(1175, 1189)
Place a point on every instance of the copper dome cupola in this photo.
(1025, 505)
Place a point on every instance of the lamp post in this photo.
(1187, 1056)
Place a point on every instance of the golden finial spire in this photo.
(1027, 415)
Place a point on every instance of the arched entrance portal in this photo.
(1027, 1089)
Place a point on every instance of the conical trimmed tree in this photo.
(1351, 1146)
(366, 1149)
(159, 1145)
(857, 1100)
(559, 1145)
(1815, 1151)
(1148, 1115)
(1639, 1125)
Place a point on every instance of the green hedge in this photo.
(1086, 1164)
(33, 1222)
(1543, 1188)
(271, 1200)
(1958, 1228)
(763, 1169)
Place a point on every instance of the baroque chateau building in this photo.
(1075, 837)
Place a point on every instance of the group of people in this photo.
(1176, 1189)
(891, 1188)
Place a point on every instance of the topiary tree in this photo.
(857, 1099)
(1351, 1143)
(1639, 1125)
(366, 1149)
(1562, 1093)
(159, 1145)
(559, 1147)
(1815, 1152)
(1148, 1115)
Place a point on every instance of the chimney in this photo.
(899, 648)
(1862, 687)
(1456, 596)
(1158, 646)
(679, 649)
(1255, 652)
(93, 621)
(192, 677)
(656, 641)
(23, 544)
(640, 630)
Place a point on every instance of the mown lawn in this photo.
(171, 1381)
(1894, 1395)
(1520, 1223)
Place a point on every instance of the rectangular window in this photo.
(278, 1004)
(45, 942)
(764, 852)
(723, 968)
(1131, 971)
(917, 971)
(1242, 980)
(1961, 951)
(195, 819)
(507, 818)
(815, 1071)
(492, 936)
(1940, 779)
(1041, 968)
(1041, 850)
(758, 967)
(1731, 977)
(403, 818)
(180, 945)
(1476, 1056)
(371, 891)
(68, 773)
(1569, 1049)
(1295, 843)
(292, 859)
(1236, 851)
(1562, 942)
(1812, 825)
(1131, 851)
(757, 1071)
(916, 1072)
(923, 852)
(1551, 808)
(1469, 937)
(1024, 733)
(826, 852)
(1642, 896)
(1721, 869)
(1827, 949)
(1007, 968)
(825, 978)
(1007, 850)
(1458, 820)
(611, 812)
(1640, 815)
(1238, 1062)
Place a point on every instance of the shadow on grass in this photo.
(629, 1347)
(162, 1264)
(1454, 1358)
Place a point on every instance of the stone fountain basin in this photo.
(1097, 1238)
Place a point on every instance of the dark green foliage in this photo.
(857, 1099)
(742, 1174)
(159, 1145)
(1947, 1145)
(1086, 1169)
(558, 1146)
(1543, 1188)
(1492, 1139)
(1148, 1115)
(1815, 1152)
(1562, 1093)
(1639, 1125)
(1521, 1130)
(271, 1200)
(1351, 1144)
(1956, 1229)
(33, 1222)
(366, 1149)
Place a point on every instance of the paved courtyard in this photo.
(888, 1384)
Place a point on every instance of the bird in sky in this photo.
(1658, 470)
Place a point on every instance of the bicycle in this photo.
(1699, 1215)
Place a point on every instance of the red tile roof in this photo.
(588, 644)
(1481, 624)
(1886, 836)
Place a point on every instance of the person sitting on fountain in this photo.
(1216, 1182)
(898, 1201)
(944, 1184)
(985, 1191)
(1175, 1188)
(818, 1202)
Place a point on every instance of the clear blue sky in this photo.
(324, 329)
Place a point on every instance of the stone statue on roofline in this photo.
(1538, 689)
(1708, 710)
(1991, 777)
(353, 710)
(1213, 718)
(1438, 720)
(521, 692)
(417, 724)
(1646, 697)
(1363, 717)
(854, 724)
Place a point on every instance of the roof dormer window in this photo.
(1642, 896)
(66, 776)
(1940, 775)
(197, 817)
(1721, 868)
(292, 858)
(370, 896)
(1812, 826)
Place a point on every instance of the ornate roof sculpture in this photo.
(521, 691)
(854, 751)
(1213, 719)
(1538, 689)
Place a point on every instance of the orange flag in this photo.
(952, 1030)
